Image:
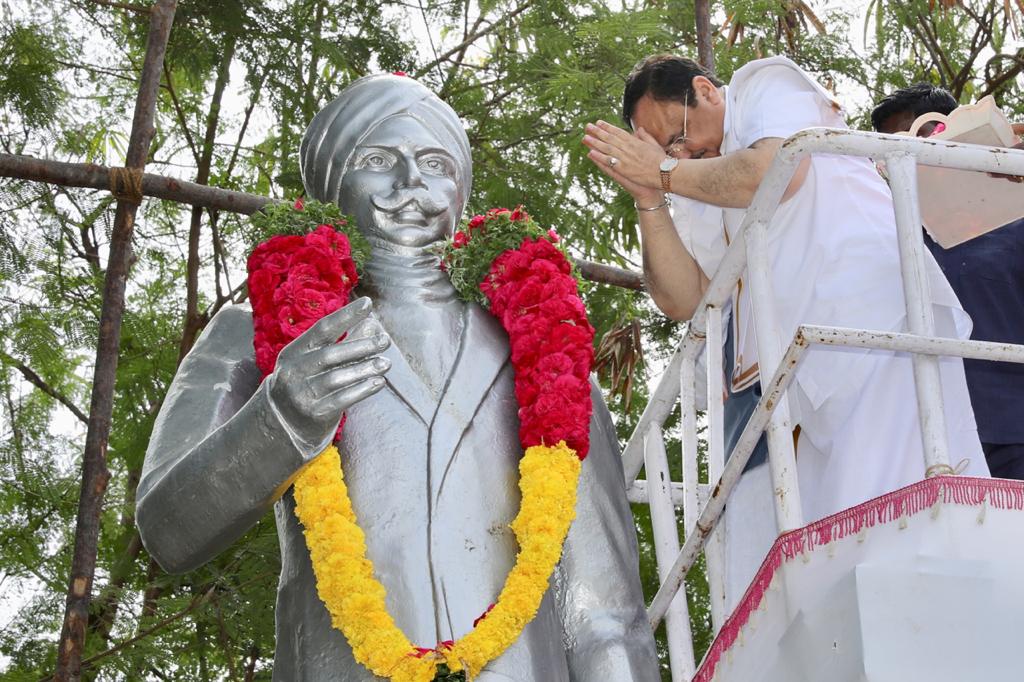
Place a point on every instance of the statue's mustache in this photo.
(419, 200)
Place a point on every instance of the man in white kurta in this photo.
(834, 261)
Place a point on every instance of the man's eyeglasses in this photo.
(678, 144)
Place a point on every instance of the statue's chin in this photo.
(418, 234)
(406, 238)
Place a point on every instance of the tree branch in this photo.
(461, 54)
(995, 83)
(225, 642)
(106, 605)
(95, 474)
(928, 27)
(97, 69)
(982, 36)
(180, 114)
(158, 186)
(609, 274)
(474, 36)
(546, 135)
(250, 669)
(705, 47)
(194, 321)
(39, 383)
(122, 5)
(161, 187)
(197, 601)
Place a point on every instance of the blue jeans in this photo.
(738, 409)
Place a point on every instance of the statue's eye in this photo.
(376, 161)
(437, 164)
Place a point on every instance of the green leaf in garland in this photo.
(303, 217)
(468, 255)
(446, 675)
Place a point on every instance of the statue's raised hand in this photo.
(317, 378)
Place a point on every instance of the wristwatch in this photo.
(666, 167)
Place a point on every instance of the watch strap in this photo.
(666, 180)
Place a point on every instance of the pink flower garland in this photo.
(532, 292)
(293, 282)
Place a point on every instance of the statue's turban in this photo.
(340, 127)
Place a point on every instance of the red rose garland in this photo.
(532, 292)
(296, 279)
(303, 268)
(293, 282)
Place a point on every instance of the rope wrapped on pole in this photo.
(152, 185)
(126, 184)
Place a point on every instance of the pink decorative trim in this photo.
(905, 502)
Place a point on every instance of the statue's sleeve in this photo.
(597, 583)
(219, 455)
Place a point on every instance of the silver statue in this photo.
(430, 459)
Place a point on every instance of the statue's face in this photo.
(401, 186)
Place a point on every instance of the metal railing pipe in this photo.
(927, 151)
(781, 450)
(688, 419)
(902, 169)
(666, 546)
(659, 407)
(714, 550)
(772, 393)
(911, 343)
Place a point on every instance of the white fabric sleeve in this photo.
(777, 101)
(700, 229)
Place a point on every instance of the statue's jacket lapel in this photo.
(434, 485)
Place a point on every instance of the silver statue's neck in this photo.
(405, 274)
(417, 306)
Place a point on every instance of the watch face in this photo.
(668, 164)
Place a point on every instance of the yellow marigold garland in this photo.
(356, 600)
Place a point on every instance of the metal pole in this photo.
(715, 413)
(909, 343)
(714, 552)
(781, 455)
(902, 168)
(774, 390)
(688, 407)
(666, 546)
(659, 406)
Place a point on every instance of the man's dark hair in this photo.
(920, 98)
(664, 77)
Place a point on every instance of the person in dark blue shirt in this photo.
(987, 274)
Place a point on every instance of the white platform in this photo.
(925, 583)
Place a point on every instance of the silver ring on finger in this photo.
(612, 161)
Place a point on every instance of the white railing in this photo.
(702, 503)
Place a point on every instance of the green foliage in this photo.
(963, 49)
(446, 675)
(29, 62)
